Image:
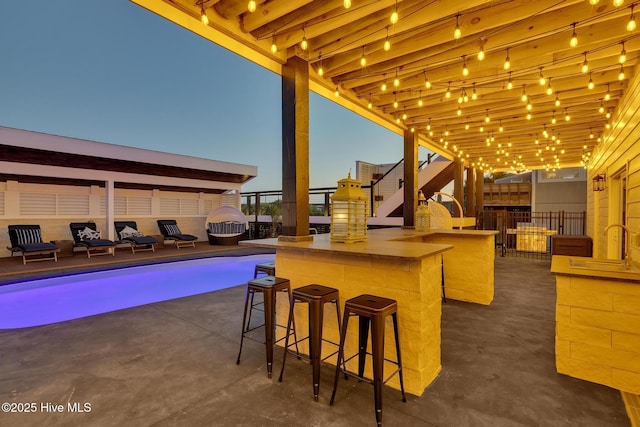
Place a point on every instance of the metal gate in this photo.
(528, 234)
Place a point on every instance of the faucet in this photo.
(457, 203)
(627, 254)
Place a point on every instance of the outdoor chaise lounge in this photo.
(170, 230)
(127, 232)
(85, 235)
(27, 240)
(226, 225)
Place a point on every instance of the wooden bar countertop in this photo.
(383, 242)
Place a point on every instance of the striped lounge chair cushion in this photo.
(172, 229)
(28, 236)
(226, 228)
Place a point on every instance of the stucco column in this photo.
(109, 188)
(295, 150)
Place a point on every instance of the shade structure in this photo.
(348, 212)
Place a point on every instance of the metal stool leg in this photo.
(244, 321)
(316, 309)
(343, 335)
(394, 316)
(269, 324)
(377, 350)
(286, 339)
(363, 337)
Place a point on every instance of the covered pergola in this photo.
(495, 85)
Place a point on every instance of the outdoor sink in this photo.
(598, 264)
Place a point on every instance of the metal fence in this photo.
(528, 234)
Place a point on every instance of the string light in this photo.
(621, 74)
(593, 2)
(465, 70)
(524, 96)
(500, 129)
(363, 60)
(394, 16)
(507, 61)
(631, 25)
(387, 43)
(252, 6)
(481, 53)
(474, 95)
(553, 118)
(607, 95)
(447, 94)
(384, 83)
(567, 117)
(529, 106)
(510, 82)
(304, 44)
(591, 85)
(274, 46)
(395, 100)
(623, 55)
(557, 102)
(601, 109)
(203, 15)
(549, 90)
(459, 112)
(427, 83)
(574, 37)
(585, 64)
(457, 33)
(347, 4)
(369, 105)
(617, 3)
(337, 92)
(487, 119)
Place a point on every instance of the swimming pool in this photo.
(57, 299)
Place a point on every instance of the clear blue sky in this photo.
(113, 72)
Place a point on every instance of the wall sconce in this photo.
(349, 212)
(599, 182)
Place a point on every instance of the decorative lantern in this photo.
(348, 212)
(423, 214)
(599, 182)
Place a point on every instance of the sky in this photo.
(113, 72)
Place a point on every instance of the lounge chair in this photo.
(127, 232)
(85, 235)
(170, 230)
(27, 240)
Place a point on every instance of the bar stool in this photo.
(316, 296)
(268, 286)
(268, 268)
(371, 310)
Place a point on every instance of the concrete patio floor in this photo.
(173, 363)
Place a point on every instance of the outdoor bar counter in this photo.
(401, 264)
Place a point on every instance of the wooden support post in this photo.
(458, 185)
(479, 192)
(295, 150)
(470, 190)
(410, 188)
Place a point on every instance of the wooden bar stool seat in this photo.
(316, 296)
(268, 286)
(371, 311)
(267, 268)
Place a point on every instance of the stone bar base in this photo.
(413, 283)
(598, 331)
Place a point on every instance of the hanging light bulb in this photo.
(557, 102)
(395, 100)
(553, 118)
(347, 4)
(529, 106)
(447, 94)
(465, 70)
(510, 82)
(621, 74)
(304, 44)
(383, 87)
(203, 15)
(394, 15)
(500, 129)
(487, 119)
(369, 105)
(337, 92)
(607, 96)
(320, 70)
(623, 55)
(591, 85)
(427, 83)
(507, 61)
(585, 64)
(529, 116)
(593, 2)
(481, 53)
(387, 43)
(567, 117)
(396, 82)
(617, 3)
(457, 33)
(549, 90)
(524, 96)
(601, 109)
(474, 95)
(574, 37)
(466, 125)
(404, 116)
(274, 46)
(251, 6)
(459, 112)
(631, 25)
(363, 60)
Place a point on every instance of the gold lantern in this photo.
(349, 212)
